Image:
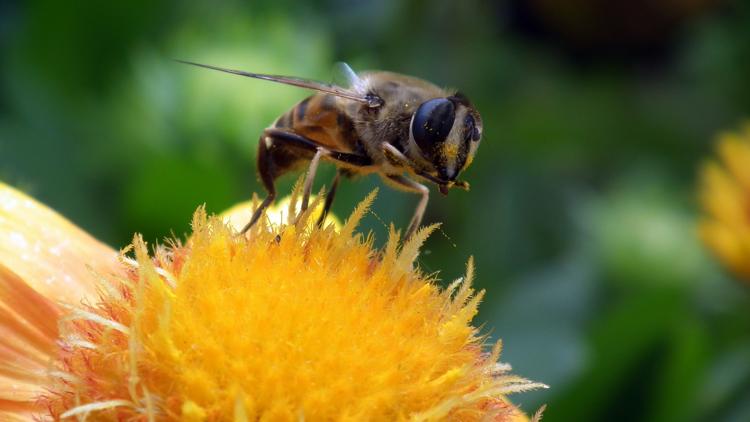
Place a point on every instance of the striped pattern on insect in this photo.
(397, 126)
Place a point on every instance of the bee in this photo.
(403, 128)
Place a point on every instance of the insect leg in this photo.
(267, 167)
(409, 185)
(294, 140)
(329, 197)
(310, 178)
(299, 141)
(266, 171)
(395, 156)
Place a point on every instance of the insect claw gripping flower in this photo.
(725, 197)
(292, 322)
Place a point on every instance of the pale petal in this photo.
(52, 255)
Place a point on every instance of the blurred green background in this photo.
(582, 210)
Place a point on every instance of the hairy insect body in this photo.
(395, 125)
(320, 118)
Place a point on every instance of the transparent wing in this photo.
(343, 75)
(350, 93)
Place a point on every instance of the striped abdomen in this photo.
(321, 119)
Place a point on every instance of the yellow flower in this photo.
(291, 322)
(725, 197)
(278, 214)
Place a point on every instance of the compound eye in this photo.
(432, 122)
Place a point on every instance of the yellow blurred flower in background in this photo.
(725, 197)
(293, 322)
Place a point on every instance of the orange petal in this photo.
(28, 326)
(44, 259)
(47, 251)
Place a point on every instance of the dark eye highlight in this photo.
(471, 132)
(432, 122)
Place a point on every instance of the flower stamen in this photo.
(96, 406)
(80, 314)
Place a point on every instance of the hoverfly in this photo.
(397, 126)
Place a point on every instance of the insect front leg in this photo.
(395, 156)
(404, 183)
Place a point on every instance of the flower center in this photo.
(276, 327)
